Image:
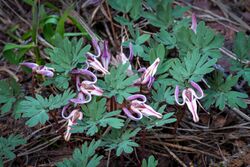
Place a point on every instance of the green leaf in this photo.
(7, 146)
(162, 14)
(62, 20)
(9, 92)
(241, 46)
(121, 141)
(118, 84)
(151, 162)
(36, 109)
(205, 40)
(166, 38)
(221, 94)
(67, 54)
(84, 157)
(141, 39)
(14, 53)
(192, 68)
(60, 81)
(154, 122)
(96, 116)
(121, 5)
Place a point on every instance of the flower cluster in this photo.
(135, 106)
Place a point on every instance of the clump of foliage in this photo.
(99, 99)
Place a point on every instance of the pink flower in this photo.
(72, 119)
(121, 58)
(190, 98)
(87, 87)
(148, 74)
(43, 70)
(139, 108)
(194, 23)
(95, 64)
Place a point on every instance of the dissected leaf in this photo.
(118, 84)
(36, 109)
(96, 116)
(84, 157)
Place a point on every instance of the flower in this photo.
(95, 64)
(43, 70)
(148, 74)
(121, 58)
(72, 119)
(86, 87)
(194, 23)
(190, 98)
(138, 107)
(105, 57)
(82, 98)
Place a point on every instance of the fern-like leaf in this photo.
(36, 109)
(84, 157)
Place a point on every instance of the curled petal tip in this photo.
(91, 89)
(85, 72)
(198, 88)
(96, 47)
(81, 99)
(142, 98)
(131, 116)
(46, 73)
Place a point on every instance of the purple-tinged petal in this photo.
(81, 99)
(150, 72)
(74, 116)
(150, 82)
(131, 52)
(192, 107)
(131, 116)
(176, 95)
(194, 23)
(94, 63)
(45, 71)
(33, 66)
(105, 57)
(96, 47)
(91, 89)
(63, 112)
(136, 97)
(190, 99)
(85, 72)
(198, 88)
(78, 84)
(146, 110)
(143, 69)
